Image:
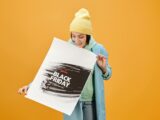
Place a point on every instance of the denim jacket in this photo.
(99, 85)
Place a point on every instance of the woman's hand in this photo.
(101, 61)
(23, 89)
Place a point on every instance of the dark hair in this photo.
(88, 37)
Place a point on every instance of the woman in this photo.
(91, 104)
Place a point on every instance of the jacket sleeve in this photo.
(108, 74)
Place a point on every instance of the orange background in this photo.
(129, 30)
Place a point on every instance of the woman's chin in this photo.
(79, 45)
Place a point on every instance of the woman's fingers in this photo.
(26, 89)
(23, 90)
(20, 91)
(101, 57)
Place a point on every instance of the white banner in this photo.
(62, 76)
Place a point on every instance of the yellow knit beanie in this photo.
(81, 22)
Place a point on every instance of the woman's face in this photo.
(79, 39)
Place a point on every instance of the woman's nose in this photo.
(76, 40)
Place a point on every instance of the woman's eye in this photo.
(81, 37)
